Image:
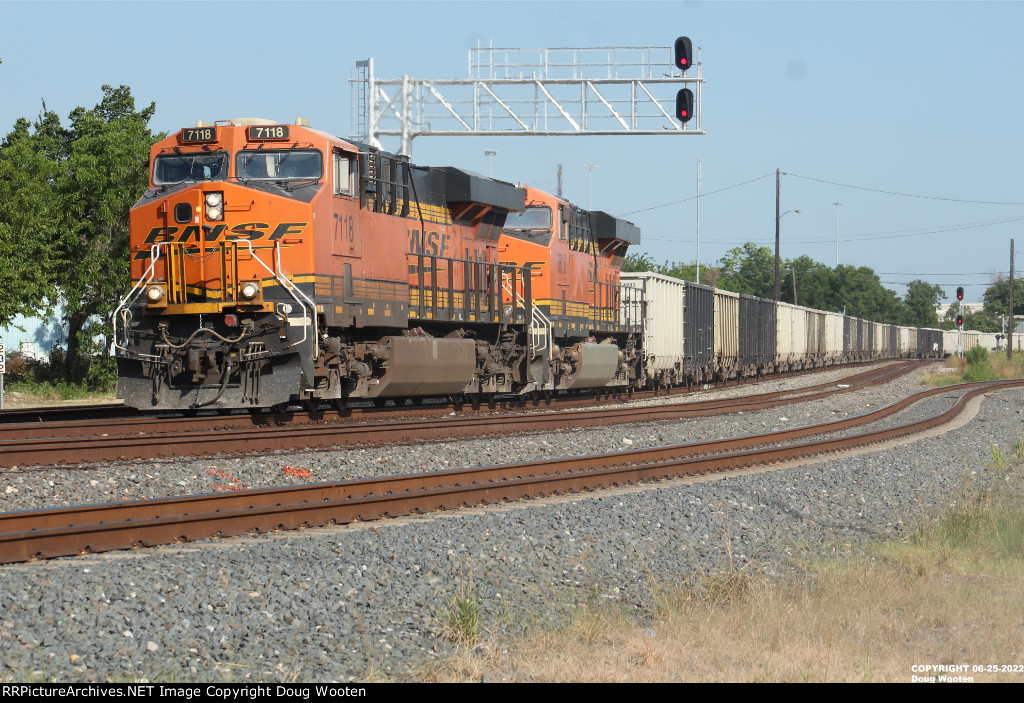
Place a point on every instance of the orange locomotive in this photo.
(574, 257)
(277, 263)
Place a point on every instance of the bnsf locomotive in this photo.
(277, 263)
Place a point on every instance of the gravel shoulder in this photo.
(362, 602)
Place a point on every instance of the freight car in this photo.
(688, 330)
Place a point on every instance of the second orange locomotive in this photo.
(277, 263)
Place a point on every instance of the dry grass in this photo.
(949, 594)
(953, 369)
(1007, 368)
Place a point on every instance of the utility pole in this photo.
(559, 193)
(778, 186)
(792, 270)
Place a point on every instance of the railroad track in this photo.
(148, 438)
(45, 534)
(96, 419)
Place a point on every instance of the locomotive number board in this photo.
(266, 133)
(198, 135)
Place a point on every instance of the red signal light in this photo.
(960, 293)
(684, 53)
(684, 105)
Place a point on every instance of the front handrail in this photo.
(123, 311)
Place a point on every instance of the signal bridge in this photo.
(538, 92)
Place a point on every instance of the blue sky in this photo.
(917, 98)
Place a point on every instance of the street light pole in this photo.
(698, 220)
(490, 154)
(590, 186)
(778, 280)
(837, 204)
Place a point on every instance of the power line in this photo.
(694, 197)
(895, 234)
(905, 195)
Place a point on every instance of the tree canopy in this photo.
(857, 291)
(65, 194)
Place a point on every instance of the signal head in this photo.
(684, 53)
(684, 105)
(960, 293)
(959, 320)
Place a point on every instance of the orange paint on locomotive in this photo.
(574, 271)
(314, 240)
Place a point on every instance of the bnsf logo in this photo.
(250, 230)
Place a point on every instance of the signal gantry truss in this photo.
(539, 92)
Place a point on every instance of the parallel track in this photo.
(20, 445)
(96, 419)
(51, 533)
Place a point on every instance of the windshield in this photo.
(532, 218)
(294, 164)
(181, 168)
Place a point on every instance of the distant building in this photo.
(971, 308)
(38, 337)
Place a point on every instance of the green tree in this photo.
(749, 269)
(919, 304)
(815, 284)
(73, 188)
(105, 173)
(863, 295)
(637, 262)
(997, 296)
(29, 217)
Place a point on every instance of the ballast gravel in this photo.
(367, 601)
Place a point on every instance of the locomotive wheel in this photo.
(339, 403)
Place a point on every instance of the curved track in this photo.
(93, 441)
(51, 533)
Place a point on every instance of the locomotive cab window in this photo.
(169, 169)
(284, 165)
(344, 169)
(533, 218)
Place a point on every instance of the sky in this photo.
(902, 111)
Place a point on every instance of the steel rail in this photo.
(43, 422)
(112, 447)
(37, 534)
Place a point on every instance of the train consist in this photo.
(276, 264)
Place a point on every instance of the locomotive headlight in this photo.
(214, 206)
(154, 294)
(249, 290)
